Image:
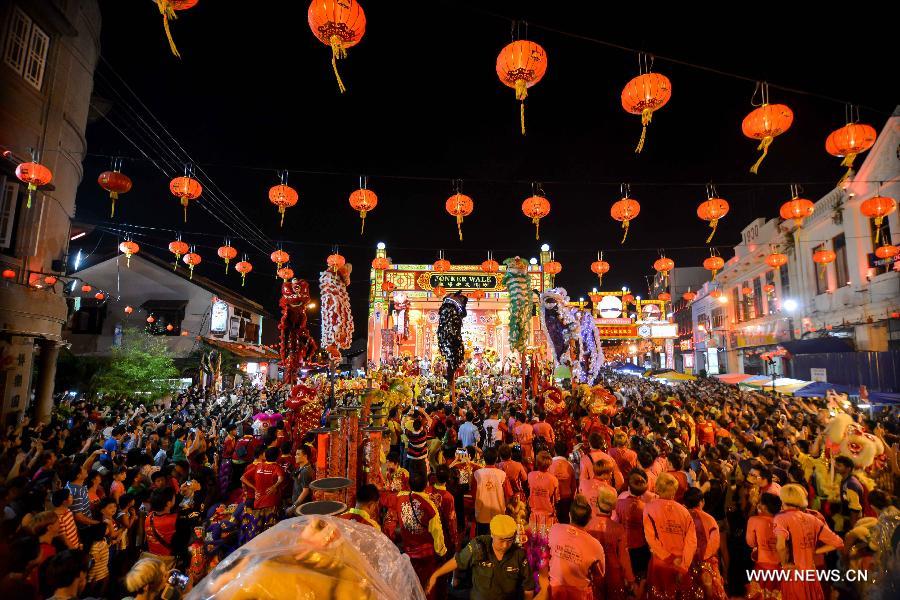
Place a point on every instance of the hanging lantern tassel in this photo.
(625, 224)
(31, 189)
(537, 227)
(878, 222)
(281, 211)
(714, 224)
(168, 12)
(646, 117)
(521, 94)
(184, 203)
(459, 220)
(362, 227)
(337, 52)
(191, 266)
(113, 196)
(764, 146)
(848, 160)
(243, 279)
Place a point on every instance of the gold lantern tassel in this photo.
(192, 271)
(167, 12)
(226, 266)
(243, 279)
(459, 221)
(537, 227)
(625, 227)
(846, 176)
(184, 203)
(764, 146)
(31, 189)
(646, 117)
(362, 227)
(714, 224)
(521, 93)
(878, 221)
(113, 196)
(281, 211)
(177, 258)
(848, 160)
(337, 52)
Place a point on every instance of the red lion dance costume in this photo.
(296, 342)
(337, 322)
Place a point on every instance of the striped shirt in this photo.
(80, 502)
(415, 447)
(100, 570)
(67, 528)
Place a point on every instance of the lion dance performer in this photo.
(337, 321)
(516, 281)
(449, 334)
(296, 342)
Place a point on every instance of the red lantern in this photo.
(878, 207)
(765, 124)
(192, 259)
(644, 95)
(279, 257)
(286, 273)
(100, 296)
(441, 266)
(339, 24)
(243, 267)
(477, 295)
(459, 206)
(388, 287)
(600, 267)
(714, 264)
(717, 293)
(776, 260)
(712, 210)
(178, 248)
(768, 288)
(168, 8)
(335, 261)
(848, 141)
(363, 200)
(536, 208)
(664, 296)
(284, 197)
(128, 310)
(227, 252)
(50, 280)
(9, 274)
(439, 290)
(746, 291)
(553, 267)
(689, 296)
(380, 263)
(35, 175)
(627, 299)
(887, 251)
(115, 183)
(86, 288)
(151, 319)
(797, 209)
(170, 327)
(128, 248)
(625, 210)
(663, 265)
(186, 189)
(490, 266)
(824, 257)
(520, 65)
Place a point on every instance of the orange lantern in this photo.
(35, 175)
(600, 267)
(490, 265)
(439, 290)
(664, 296)
(765, 123)
(689, 296)
(170, 327)
(878, 207)
(86, 288)
(178, 248)
(887, 251)
(128, 248)
(185, 188)
(746, 291)
(286, 273)
(363, 200)
(243, 267)
(712, 210)
(627, 299)
(714, 264)
(441, 266)
(797, 209)
(100, 296)
(848, 141)
(536, 208)
(663, 265)
(553, 267)
(477, 295)
(380, 263)
(459, 206)
(644, 95)
(9, 274)
(128, 310)
(776, 260)
(520, 65)
(717, 293)
(768, 288)
(226, 253)
(824, 256)
(151, 319)
(168, 8)
(283, 196)
(191, 259)
(339, 24)
(625, 210)
(279, 257)
(115, 183)
(335, 261)
(50, 280)
(388, 287)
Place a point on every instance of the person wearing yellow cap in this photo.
(500, 569)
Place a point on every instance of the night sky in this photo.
(254, 93)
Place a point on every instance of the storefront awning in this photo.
(675, 376)
(244, 350)
(733, 378)
(818, 389)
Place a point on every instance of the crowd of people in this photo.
(692, 490)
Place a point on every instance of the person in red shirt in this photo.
(524, 435)
(625, 458)
(706, 431)
(544, 430)
(419, 527)
(516, 474)
(630, 513)
(589, 459)
(366, 510)
(265, 481)
(619, 579)
(445, 503)
(564, 472)
(543, 491)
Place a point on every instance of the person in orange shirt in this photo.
(577, 561)
(366, 509)
(630, 513)
(704, 572)
(619, 579)
(524, 436)
(588, 460)
(543, 491)
(625, 458)
(564, 472)
(544, 429)
(590, 488)
(515, 472)
(669, 529)
(761, 539)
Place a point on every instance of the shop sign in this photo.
(612, 332)
(218, 321)
(664, 330)
(817, 374)
(464, 281)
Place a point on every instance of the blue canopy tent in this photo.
(817, 389)
(883, 398)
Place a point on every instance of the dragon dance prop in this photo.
(591, 348)
(296, 342)
(449, 334)
(516, 281)
(337, 321)
(563, 331)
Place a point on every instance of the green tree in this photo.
(141, 369)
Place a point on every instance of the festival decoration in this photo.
(449, 335)
(178, 248)
(714, 263)
(337, 320)
(170, 327)
(627, 299)
(191, 259)
(663, 265)
(441, 265)
(86, 288)
(296, 343)
(128, 248)
(600, 267)
(845, 438)
(776, 260)
(824, 256)
(716, 293)
(151, 319)
(878, 207)
(688, 296)
(712, 210)
(765, 123)
(227, 252)
(645, 94)
(388, 287)
(563, 332)
(536, 208)
(625, 210)
(335, 261)
(768, 288)
(186, 188)
(664, 296)
(477, 295)
(516, 281)
(592, 358)
(9, 274)
(279, 257)
(243, 268)
(459, 205)
(887, 251)
(128, 310)
(100, 296)
(796, 208)
(339, 24)
(169, 9)
(490, 265)
(283, 196)
(439, 290)
(380, 263)
(363, 201)
(746, 291)
(285, 273)
(115, 182)
(50, 280)
(35, 175)
(849, 141)
(553, 267)
(521, 65)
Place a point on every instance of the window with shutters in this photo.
(9, 193)
(27, 47)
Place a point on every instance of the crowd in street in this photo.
(693, 490)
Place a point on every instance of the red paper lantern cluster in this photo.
(380, 263)
(178, 248)
(227, 253)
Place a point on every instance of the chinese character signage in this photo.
(455, 281)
